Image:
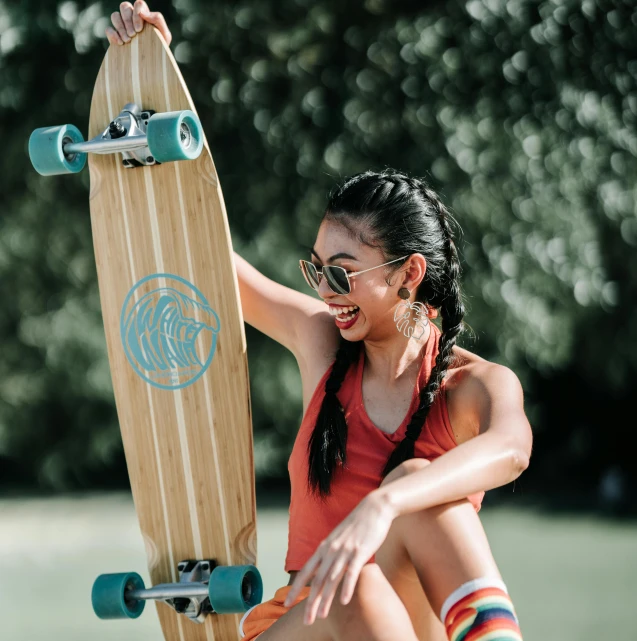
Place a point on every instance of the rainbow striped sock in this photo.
(480, 610)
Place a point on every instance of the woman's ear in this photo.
(414, 272)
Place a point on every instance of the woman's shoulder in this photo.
(469, 385)
(471, 373)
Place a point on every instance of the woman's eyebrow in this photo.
(336, 256)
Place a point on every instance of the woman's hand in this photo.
(129, 21)
(343, 554)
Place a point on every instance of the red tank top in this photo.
(368, 448)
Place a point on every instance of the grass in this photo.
(570, 577)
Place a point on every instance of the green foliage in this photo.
(522, 114)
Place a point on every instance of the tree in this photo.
(521, 114)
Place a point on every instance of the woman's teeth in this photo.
(344, 313)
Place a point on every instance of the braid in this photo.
(327, 444)
(452, 312)
(401, 216)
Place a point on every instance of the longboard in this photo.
(176, 343)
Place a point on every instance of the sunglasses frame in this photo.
(348, 275)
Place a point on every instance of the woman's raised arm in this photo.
(280, 312)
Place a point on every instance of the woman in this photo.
(403, 430)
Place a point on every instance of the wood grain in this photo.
(188, 450)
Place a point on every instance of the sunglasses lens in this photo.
(337, 279)
(310, 274)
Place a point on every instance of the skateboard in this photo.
(176, 342)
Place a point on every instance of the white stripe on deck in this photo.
(112, 114)
(213, 437)
(159, 262)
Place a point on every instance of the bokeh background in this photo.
(522, 114)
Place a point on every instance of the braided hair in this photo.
(402, 216)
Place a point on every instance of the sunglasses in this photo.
(337, 277)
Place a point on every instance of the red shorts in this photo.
(260, 617)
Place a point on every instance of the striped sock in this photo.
(480, 610)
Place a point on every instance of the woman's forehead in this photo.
(333, 238)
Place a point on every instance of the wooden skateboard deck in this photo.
(175, 337)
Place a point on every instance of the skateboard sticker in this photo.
(168, 330)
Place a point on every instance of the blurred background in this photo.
(521, 114)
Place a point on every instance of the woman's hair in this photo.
(399, 215)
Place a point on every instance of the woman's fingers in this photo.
(113, 36)
(331, 583)
(118, 23)
(330, 566)
(129, 21)
(325, 582)
(126, 11)
(349, 581)
(301, 579)
(157, 20)
(139, 8)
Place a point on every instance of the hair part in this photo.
(401, 216)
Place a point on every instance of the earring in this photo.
(404, 293)
(403, 316)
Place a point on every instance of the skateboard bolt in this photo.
(116, 130)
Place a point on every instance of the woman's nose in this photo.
(324, 290)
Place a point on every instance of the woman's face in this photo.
(373, 299)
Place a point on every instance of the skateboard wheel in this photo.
(234, 588)
(109, 596)
(46, 150)
(175, 135)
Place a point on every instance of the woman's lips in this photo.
(347, 324)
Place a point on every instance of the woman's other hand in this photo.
(129, 21)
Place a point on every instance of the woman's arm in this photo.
(281, 313)
(495, 457)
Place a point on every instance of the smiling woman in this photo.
(382, 410)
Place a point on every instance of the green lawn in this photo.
(570, 577)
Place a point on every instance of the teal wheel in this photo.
(175, 135)
(46, 150)
(109, 596)
(234, 588)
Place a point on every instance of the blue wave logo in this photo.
(169, 331)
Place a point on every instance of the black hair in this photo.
(401, 216)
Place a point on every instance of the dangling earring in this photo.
(403, 316)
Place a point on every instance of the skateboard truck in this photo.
(189, 596)
(143, 137)
(204, 588)
(125, 134)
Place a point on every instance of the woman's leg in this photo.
(427, 555)
(438, 550)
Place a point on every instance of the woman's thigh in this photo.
(375, 613)
(291, 626)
